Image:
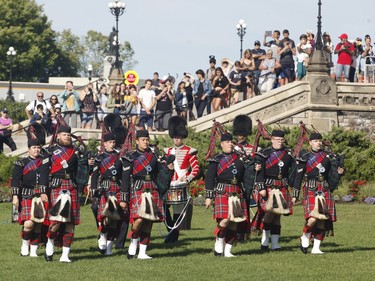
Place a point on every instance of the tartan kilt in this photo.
(25, 212)
(136, 200)
(283, 190)
(74, 208)
(221, 207)
(308, 200)
(113, 188)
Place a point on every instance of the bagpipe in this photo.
(216, 132)
(261, 132)
(337, 161)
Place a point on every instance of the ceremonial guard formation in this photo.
(273, 199)
(322, 172)
(139, 185)
(144, 177)
(186, 168)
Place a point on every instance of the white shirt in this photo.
(45, 103)
(146, 97)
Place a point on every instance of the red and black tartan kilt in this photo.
(25, 213)
(257, 222)
(308, 200)
(286, 195)
(221, 206)
(136, 200)
(113, 188)
(74, 208)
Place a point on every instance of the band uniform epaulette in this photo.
(193, 151)
(215, 158)
(129, 156)
(302, 158)
(19, 162)
(261, 154)
(99, 157)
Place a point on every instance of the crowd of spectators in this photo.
(219, 86)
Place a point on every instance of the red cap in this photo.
(344, 36)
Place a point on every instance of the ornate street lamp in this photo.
(319, 43)
(117, 8)
(241, 31)
(89, 68)
(11, 53)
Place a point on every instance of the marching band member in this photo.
(105, 184)
(143, 177)
(242, 126)
(274, 198)
(64, 213)
(225, 174)
(29, 192)
(186, 168)
(319, 205)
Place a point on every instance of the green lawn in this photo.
(350, 255)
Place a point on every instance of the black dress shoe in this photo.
(303, 249)
(264, 248)
(130, 257)
(101, 251)
(48, 258)
(216, 254)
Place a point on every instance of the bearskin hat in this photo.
(242, 125)
(112, 121)
(177, 127)
(120, 135)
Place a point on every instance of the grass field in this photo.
(350, 255)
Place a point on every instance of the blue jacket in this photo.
(207, 87)
(64, 96)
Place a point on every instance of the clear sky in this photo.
(175, 36)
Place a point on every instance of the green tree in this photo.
(97, 48)
(24, 26)
(71, 53)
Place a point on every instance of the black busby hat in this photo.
(33, 142)
(242, 125)
(315, 136)
(142, 134)
(64, 129)
(278, 133)
(112, 121)
(177, 127)
(108, 137)
(226, 137)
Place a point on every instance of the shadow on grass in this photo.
(86, 237)
(349, 250)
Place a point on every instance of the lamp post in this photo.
(319, 43)
(11, 53)
(241, 31)
(89, 68)
(117, 8)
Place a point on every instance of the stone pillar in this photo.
(323, 91)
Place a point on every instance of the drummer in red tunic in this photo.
(29, 196)
(186, 168)
(318, 201)
(225, 174)
(143, 176)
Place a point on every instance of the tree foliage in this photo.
(42, 52)
(23, 26)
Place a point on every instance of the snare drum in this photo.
(177, 195)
